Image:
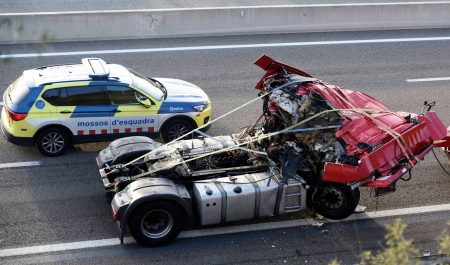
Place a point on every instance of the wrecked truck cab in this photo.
(314, 146)
(380, 145)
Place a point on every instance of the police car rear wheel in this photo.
(176, 128)
(52, 142)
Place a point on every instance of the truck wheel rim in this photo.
(53, 142)
(332, 198)
(156, 224)
(177, 131)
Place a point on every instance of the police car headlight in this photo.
(201, 108)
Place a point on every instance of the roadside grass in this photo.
(400, 251)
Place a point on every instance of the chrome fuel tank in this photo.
(208, 200)
(237, 198)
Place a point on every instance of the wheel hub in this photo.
(53, 142)
(177, 131)
(156, 223)
(332, 198)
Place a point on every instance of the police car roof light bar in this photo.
(96, 67)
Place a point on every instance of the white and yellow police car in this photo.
(52, 107)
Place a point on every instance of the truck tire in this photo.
(334, 201)
(52, 142)
(156, 223)
(175, 128)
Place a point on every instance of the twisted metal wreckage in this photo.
(315, 144)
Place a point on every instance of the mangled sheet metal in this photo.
(331, 140)
(365, 141)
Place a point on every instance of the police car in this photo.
(52, 107)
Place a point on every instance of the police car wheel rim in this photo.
(53, 142)
(156, 224)
(177, 130)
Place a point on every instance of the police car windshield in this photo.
(154, 89)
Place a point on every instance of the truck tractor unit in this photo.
(313, 146)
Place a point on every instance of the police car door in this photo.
(136, 113)
(86, 111)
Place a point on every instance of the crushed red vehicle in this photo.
(384, 144)
(313, 146)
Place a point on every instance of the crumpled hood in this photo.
(182, 91)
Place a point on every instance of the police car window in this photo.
(147, 85)
(123, 95)
(51, 96)
(84, 96)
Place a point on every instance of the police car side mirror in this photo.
(145, 102)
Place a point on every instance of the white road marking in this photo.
(1, 103)
(222, 47)
(59, 247)
(432, 79)
(310, 221)
(20, 164)
(10, 252)
(399, 212)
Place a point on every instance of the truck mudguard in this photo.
(126, 149)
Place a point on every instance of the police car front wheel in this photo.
(52, 142)
(176, 128)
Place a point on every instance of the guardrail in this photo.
(132, 24)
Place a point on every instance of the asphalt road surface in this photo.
(62, 199)
(14, 6)
(301, 245)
